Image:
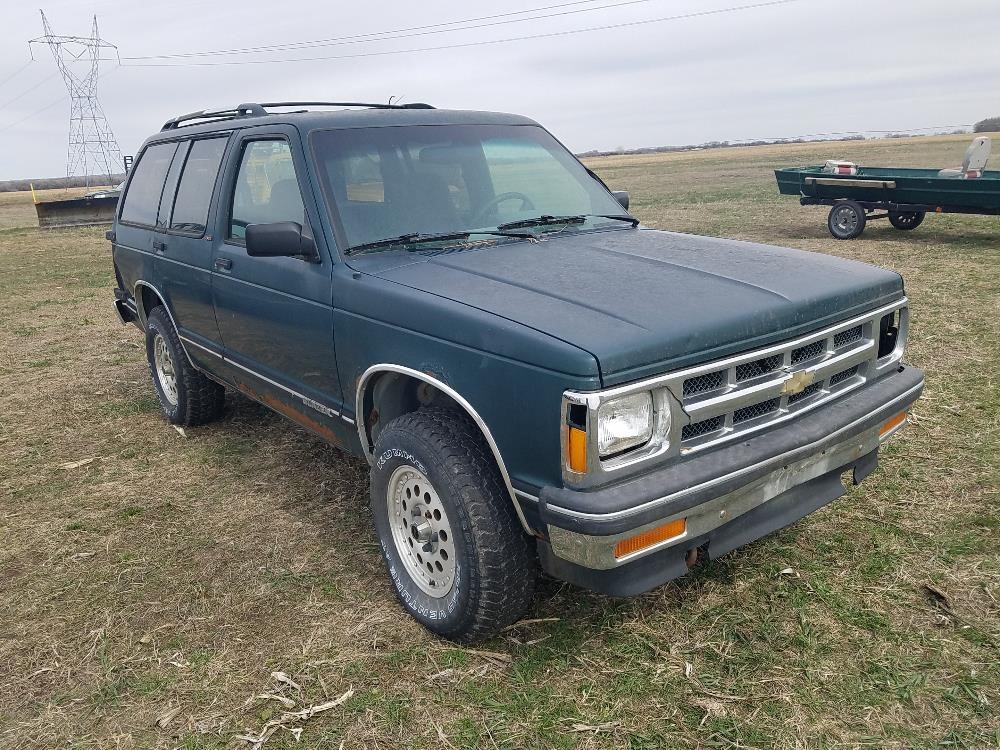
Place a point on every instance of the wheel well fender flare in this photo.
(140, 306)
(368, 377)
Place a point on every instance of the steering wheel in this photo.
(492, 204)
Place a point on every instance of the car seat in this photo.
(286, 202)
(430, 204)
(976, 156)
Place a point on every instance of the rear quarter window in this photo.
(142, 200)
(194, 193)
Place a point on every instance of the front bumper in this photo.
(729, 496)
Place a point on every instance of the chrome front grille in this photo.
(809, 390)
(710, 381)
(757, 368)
(730, 399)
(723, 399)
(807, 352)
(696, 429)
(848, 337)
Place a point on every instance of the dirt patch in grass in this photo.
(148, 576)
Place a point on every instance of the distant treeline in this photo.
(56, 183)
(989, 125)
(710, 144)
(727, 144)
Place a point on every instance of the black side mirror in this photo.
(282, 239)
(622, 197)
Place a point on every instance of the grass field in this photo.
(151, 581)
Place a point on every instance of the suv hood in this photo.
(644, 301)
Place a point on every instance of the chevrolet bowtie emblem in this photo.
(798, 382)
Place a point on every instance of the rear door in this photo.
(184, 255)
(275, 315)
(138, 232)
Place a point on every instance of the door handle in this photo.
(223, 264)
(159, 246)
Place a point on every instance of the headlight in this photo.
(624, 422)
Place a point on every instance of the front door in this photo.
(275, 315)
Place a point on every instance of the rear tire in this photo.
(846, 220)
(906, 220)
(459, 561)
(186, 396)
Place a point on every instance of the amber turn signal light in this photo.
(892, 424)
(577, 450)
(669, 530)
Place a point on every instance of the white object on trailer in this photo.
(840, 167)
(976, 156)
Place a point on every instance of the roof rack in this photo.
(258, 110)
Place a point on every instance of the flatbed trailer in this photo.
(905, 195)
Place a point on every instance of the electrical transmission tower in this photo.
(93, 150)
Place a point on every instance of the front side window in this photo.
(194, 192)
(266, 189)
(434, 179)
(142, 201)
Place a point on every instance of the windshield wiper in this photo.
(415, 238)
(546, 220)
(542, 221)
(618, 217)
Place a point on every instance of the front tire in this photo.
(186, 396)
(846, 220)
(459, 561)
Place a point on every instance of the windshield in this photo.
(390, 182)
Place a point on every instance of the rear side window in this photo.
(194, 193)
(142, 201)
(266, 190)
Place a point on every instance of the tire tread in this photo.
(507, 564)
(204, 399)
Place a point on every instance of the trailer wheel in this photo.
(846, 220)
(906, 219)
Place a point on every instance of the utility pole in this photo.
(93, 150)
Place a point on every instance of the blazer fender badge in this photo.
(798, 382)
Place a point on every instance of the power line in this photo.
(37, 112)
(549, 35)
(28, 91)
(101, 75)
(401, 33)
(91, 142)
(16, 72)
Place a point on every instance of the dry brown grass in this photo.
(175, 573)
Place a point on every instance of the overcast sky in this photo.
(811, 66)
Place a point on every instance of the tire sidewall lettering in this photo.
(391, 453)
(416, 601)
(420, 605)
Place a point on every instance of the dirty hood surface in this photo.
(645, 301)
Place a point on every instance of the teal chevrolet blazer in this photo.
(537, 381)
